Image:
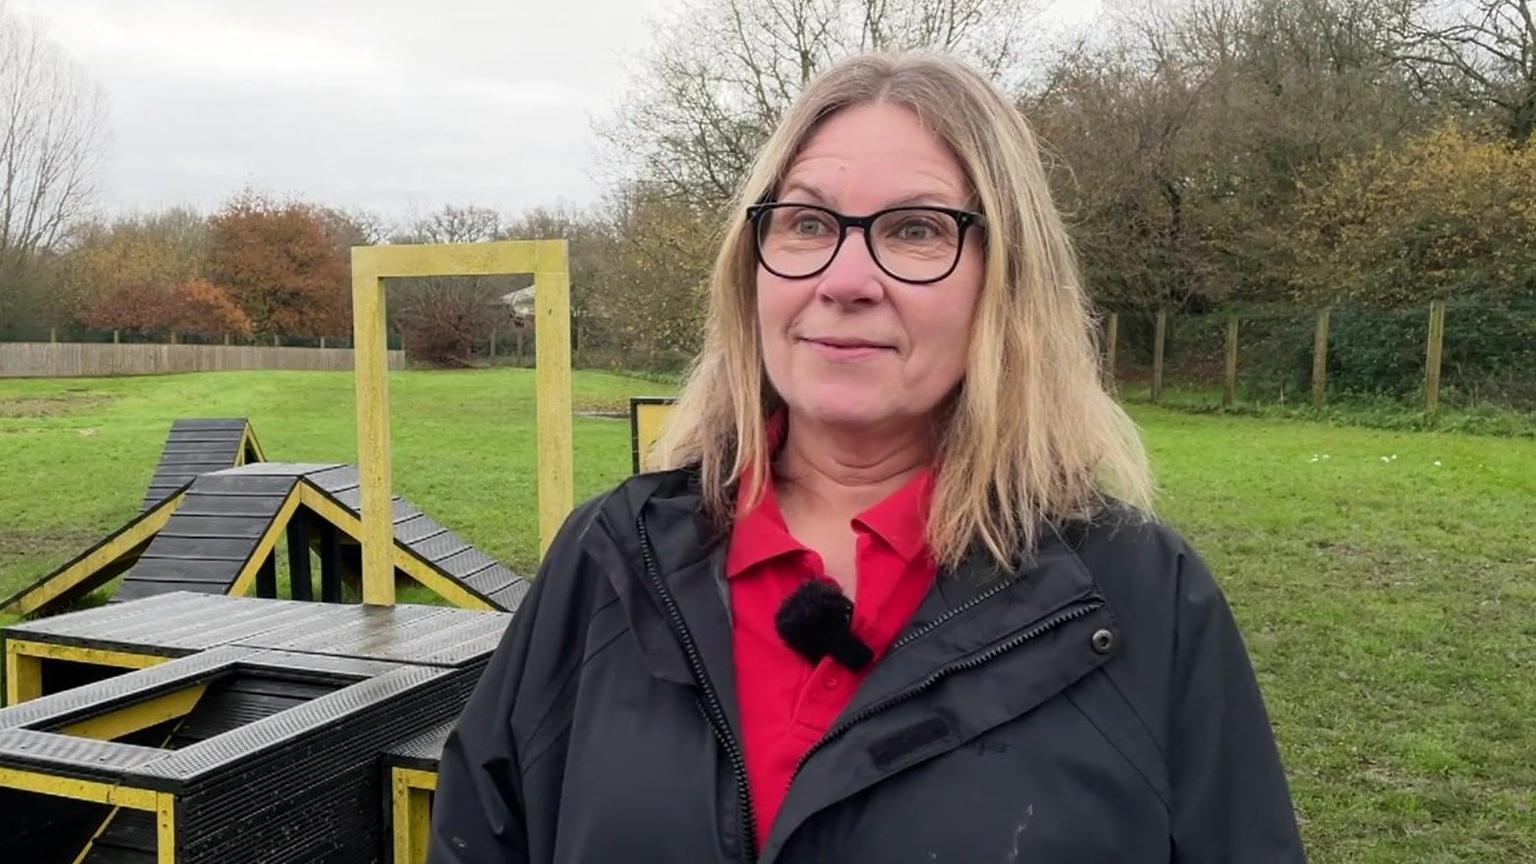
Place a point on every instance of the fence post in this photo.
(1320, 361)
(1111, 337)
(114, 337)
(1230, 396)
(493, 343)
(1432, 361)
(277, 341)
(53, 334)
(322, 341)
(226, 338)
(1157, 354)
(173, 337)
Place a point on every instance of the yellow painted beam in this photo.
(461, 259)
(23, 675)
(552, 365)
(140, 715)
(370, 359)
(547, 260)
(404, 560)
(248, 440)
(247, 576)
(647, 422)
(79, 790)
(24, 664)
(67, 578)
(86, 849)
(165, 828)
(412, 801)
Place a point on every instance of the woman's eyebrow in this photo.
(816, 194)
(911, 199)
(929, 199)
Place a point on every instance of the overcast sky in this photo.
(394, 106)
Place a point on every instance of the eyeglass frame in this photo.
(964, 221)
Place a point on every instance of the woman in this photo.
(898, 405)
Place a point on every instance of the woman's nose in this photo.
(853, 276)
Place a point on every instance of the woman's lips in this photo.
(845, 352)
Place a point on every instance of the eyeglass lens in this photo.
(915, 244)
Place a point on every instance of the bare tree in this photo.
(1179, 144)
(454, 225)
(1481, 53)
(724, 70)
(442, 318)
(51, 135)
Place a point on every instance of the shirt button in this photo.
(830, 682)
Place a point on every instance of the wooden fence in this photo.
(91, 359)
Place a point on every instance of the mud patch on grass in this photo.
(53, 405)
(26, 556)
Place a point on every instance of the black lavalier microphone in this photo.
(817, 620)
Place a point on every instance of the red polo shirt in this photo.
(786, 702)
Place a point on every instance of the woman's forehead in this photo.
(879, 151)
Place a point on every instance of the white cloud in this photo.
(397, 106)
(394, 106)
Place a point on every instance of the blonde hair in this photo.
(1030, 435)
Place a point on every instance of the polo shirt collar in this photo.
(900, 520)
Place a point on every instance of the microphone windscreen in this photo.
(814, 619)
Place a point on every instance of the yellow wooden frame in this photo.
(408, 563)
(246, 578)
(139, 715)
(411, 813)
(248, 442)
(165, 828)
(136, 533)
(647, 423)
(24, 664)
(547, 260)
(96, 791)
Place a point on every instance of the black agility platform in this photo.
(55, 654)
(277, 732)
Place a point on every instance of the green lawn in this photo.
(1389, 603)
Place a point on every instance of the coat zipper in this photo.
(1071, 613)
(1001, 586)
(708, 700)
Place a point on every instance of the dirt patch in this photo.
(19, 544)
(53, 405)
(28, 555)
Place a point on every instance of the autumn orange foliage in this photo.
(280, 264)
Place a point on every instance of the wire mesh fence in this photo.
(1456, 355)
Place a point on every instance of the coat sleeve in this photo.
(1230, 800)
(479, 814)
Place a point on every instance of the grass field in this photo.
(1386, 581)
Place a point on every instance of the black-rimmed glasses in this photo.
(912, 244)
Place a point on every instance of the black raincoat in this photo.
(1095, 707)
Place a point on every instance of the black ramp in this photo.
(198, 446)
(447, 552)
(209, 539)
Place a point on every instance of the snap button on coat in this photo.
(1103, 640)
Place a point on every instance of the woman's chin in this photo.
(845, 410)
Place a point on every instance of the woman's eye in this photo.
(916, 230)
(810, 226)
